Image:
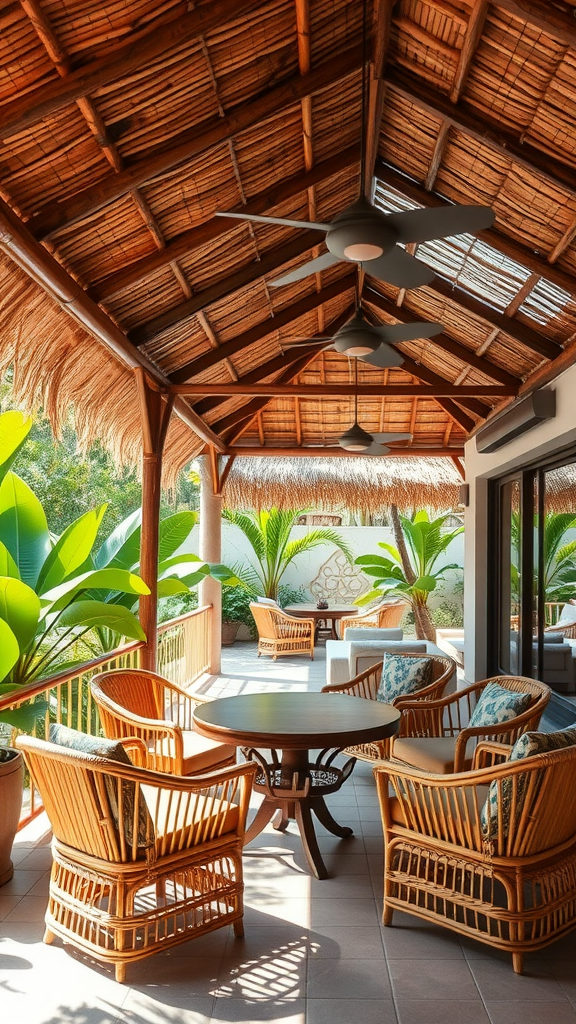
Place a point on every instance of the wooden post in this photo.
(210, 591)
(155, 409)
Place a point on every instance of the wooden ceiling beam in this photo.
(519, 332)
(187, 241)
(457, 414)
(474, 405)
(279, 363)
(555, 22)
(274, 389)
(424, 96)
(471, 40)
(192, 143)
(443, 341)
(262, 330)
(380, 33)
(339, 453)
(183, 311)
(507, 246)
(251, 409)
(142, 47)
(45, 271)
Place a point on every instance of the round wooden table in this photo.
(333, 614)
(294, 723)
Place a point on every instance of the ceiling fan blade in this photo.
(375, 449)
(393, 333)
(399, 268)
(383, 357)
(313, 267)
(440, 222)
(284, 221)
(389, 437)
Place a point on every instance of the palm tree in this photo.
(268, 533)
(408, 572)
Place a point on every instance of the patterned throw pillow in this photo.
(497, 704)
(72, 739)
(527, 745)
(402, 675)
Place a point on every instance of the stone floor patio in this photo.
(314, 952)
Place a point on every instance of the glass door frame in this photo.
(532, 602)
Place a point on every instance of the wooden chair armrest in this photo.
(489, 752)
(136, 749)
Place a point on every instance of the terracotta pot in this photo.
(229, 632)
(11, 784)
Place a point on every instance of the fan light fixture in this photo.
(358, 337)
(355, 439)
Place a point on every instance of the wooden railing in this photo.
(183, 657)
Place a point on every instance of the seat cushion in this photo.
(188, 822)
(72, 739)
(498, 704)
(403, 674)
(434, 754)
(372, 633)
(200, 753)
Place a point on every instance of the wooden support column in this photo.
(155, 411)
(209, 590)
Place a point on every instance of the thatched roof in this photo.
(127, 127)
(358, 484)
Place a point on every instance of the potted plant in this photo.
(235, 612)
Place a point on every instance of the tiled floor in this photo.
(315, 952)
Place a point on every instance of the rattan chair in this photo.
(507, 878)
(366, 685)
(385, 615)
(142, 860)
(280, 634)
(135, 702)
(435, 736)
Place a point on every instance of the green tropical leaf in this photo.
(19, 609)
(97, 579)
(71, 550)
(173, 531)
(368, 598)
(391, 550)
(371, 560)
(23, 527)
(122, 548)
(87, 614)
(8, 566)
(14, 429)
(177, 560)
(25, 717)
(168, 587)
(425, 584)
(9, 649)
(250, 528)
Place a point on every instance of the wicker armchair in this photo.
(134, 702)
(385, 615)
(366, 685)
(280, 634)
(506, 877)
(435, 736)
(142, 860)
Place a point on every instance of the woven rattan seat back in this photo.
(141, 860)
(489, 853)
(366, 685)
(281, 634)
(385, 615)
(133, 702)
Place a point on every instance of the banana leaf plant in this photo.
(409, 570)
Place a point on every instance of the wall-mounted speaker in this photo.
(537, 407)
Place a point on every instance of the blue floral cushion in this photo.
(114, 751)
(497, 704)
(527, 745)
(402, 674)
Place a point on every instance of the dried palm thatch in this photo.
(59, 367)
(359, 484)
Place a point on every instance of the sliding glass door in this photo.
(533, 568)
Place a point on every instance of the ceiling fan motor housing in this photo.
(355, 439)
(360, 233)
(357, 338)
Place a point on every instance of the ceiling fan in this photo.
(373, 343)
(363, 234)
(356, 439)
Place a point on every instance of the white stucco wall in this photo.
(540, 441)
(362, 539)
